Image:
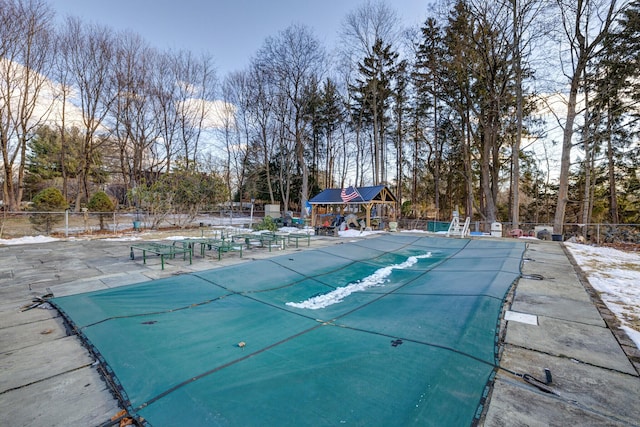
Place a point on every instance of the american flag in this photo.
(347, 195)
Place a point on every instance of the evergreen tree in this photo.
(617, 91)
(425, 115)
(47, 205)
(49, 160)
(459, 58)
(400, 114)
(372, 96)
(101, 203)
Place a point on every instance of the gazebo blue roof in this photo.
(373, 194)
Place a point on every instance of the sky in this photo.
(232, 31)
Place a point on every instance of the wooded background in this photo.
(520, 111)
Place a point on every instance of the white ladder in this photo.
(456, 230)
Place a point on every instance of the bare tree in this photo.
(135, 126)
(371, 21)
(164, 102)
(585, 24)
(26, 94)
(524, 15)
(196, 88)
(233, 126)
(332, 115)
(260, 132)
(293, 60)
(62, 74)
(90, 50)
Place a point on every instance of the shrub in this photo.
(101, 203)
(45, 205)
(267, 224)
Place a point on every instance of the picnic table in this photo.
(262, 239)
(219, 245)
(162, 250)
(271, 239)
(247, 239)
(192, 242)
(298, 236)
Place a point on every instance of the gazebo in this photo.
(367, 197)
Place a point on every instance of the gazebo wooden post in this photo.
(367, 207)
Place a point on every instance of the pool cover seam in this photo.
(428, 344)
(152, 313)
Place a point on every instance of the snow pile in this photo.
(123, 239)
(28, 240)
(378, 278)
(616, 276)
(352, 232)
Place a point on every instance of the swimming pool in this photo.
(394, 330)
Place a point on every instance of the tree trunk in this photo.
(613, 194)
(582, 52)
(588, 169)
(517, 143)
(468, 170)
(485, 177)
(565, 158)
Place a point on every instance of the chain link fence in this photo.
(597, 233)
(69, 224)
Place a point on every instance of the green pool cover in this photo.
(394, 330)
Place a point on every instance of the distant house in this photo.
(338, 198)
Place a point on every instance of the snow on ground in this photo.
(27, 240)
(615, 275)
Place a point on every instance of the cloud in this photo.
(49, 106)
(217, 114)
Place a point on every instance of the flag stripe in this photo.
(348, 196)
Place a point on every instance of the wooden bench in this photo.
(162, 250)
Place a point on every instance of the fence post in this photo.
(598, 232)
(251, 218)
(66, 222)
